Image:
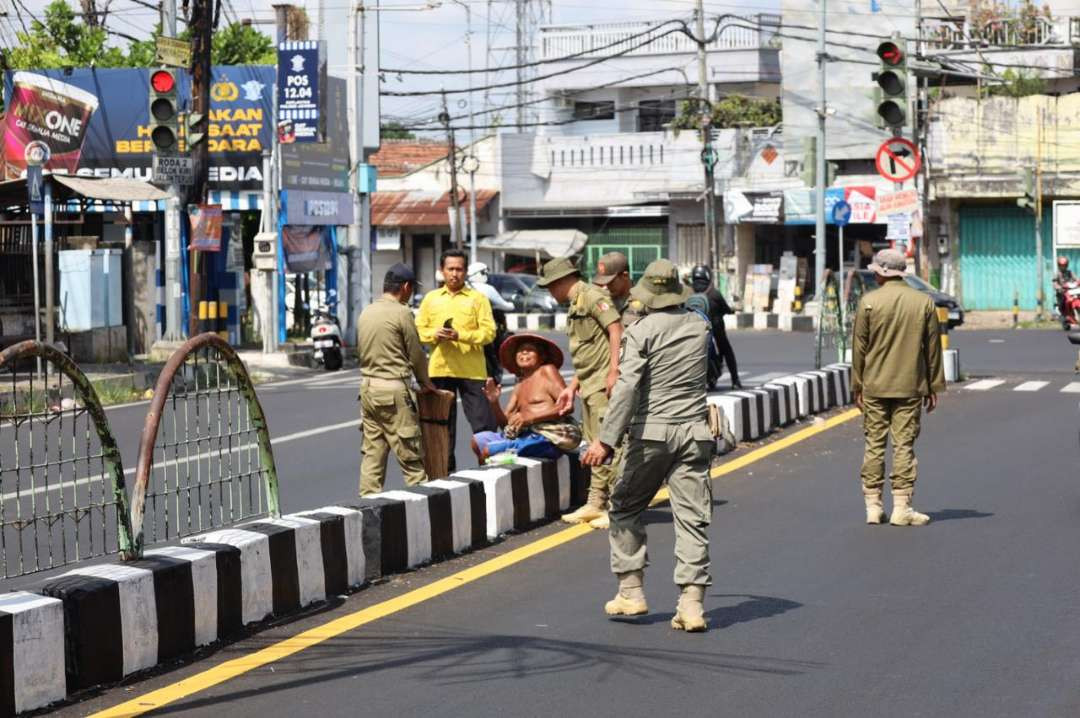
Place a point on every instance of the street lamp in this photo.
(473, 162)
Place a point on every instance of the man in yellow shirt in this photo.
(457, 322)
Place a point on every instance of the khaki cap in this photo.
(660, 286)
(557, 269)
(889, 263)
(610, 266)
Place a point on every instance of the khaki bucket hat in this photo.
(660, 286)
(556, 269)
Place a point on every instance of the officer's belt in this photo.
(380, 383)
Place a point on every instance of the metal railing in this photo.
(205, 459)
(1008, 32)
(62, 494)
(616, 37)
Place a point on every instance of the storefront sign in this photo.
(96, 122)
(387, 239)
(301, 78)
(1066, 225)
(206, 220)
(318, 208)
(753, 207)
(906, 201)
(322, 166)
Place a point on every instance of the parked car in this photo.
(522, 291)
(865, 282)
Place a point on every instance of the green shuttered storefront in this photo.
(997, 257)
(641, 245)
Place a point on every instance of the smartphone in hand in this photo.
(449, 323)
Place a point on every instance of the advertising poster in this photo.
(96, 122)
(305, 250)
(205, 227)
(322, 166)
(301, 78)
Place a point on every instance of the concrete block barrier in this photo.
(516, 321)
(32, 658)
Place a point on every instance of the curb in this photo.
(769, 320)
(100, 624)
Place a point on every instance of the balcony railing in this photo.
(616, 38)
(1014, 32)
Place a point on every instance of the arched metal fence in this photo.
(62, 494)
(205, 459)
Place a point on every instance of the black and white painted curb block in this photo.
(534, 322)
(99, 624)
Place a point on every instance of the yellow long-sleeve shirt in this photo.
(471, 314)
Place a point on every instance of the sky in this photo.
(429, 39)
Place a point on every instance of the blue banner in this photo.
(300, 80)
(115, 142)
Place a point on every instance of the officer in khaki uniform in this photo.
(896, 369)
(613, 274)
(390, 355)
(659, 404)
(595, 334)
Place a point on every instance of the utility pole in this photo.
(202, 13)
(820, 176)
(451, 157)
(470, 161)
(708, 157)
(1040, 263)
(521, 57)
(360, 230)
(173, 305)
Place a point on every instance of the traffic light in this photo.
(891, 96)
(193, 133)
(164, 111)
(1028, 200)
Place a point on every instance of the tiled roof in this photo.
(419, 209)
(396, 158)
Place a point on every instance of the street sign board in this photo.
(894, 202)
(173, 168)
(897, 160)
(899, 227)
(35, 189)
(302, 90)
(841, 213)
(172, 52)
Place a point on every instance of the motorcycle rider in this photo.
(1063, 276)
(701, 280)
(478, 280)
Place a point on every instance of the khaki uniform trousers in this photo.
(900, 419)
(602, 478)
(680, 454)
(389, 421)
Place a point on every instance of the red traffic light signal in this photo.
(162, 81)
(890, 53)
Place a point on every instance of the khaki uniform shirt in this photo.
(897, 347)
(629, 309)
(389, 344)
(591, 313)
(662, 377)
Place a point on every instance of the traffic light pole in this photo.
(819, 173)
(201, 33)
(173, 301)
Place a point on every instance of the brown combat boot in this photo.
(690, 613)
(902, 513)
(875, 510)
(630, 599)
(594, 508)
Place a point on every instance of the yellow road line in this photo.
(289, 646)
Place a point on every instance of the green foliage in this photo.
(1016, 84)
(731, 111)
(61, 39)
(395, 131)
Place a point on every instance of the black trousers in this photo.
(728, 355)
(477, 410)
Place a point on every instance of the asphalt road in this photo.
(813, 613)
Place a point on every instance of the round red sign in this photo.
(898, 159)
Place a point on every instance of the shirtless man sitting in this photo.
(531, 424)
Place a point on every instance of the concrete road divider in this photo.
(100, 624)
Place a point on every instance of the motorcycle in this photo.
(1069, 305)
(326, 337)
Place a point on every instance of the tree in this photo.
(731, 111)
(239, 44)
(395, 131)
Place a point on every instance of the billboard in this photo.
(301, 87)
(322, 166)
(96, 121)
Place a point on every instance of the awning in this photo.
(413, 208)
(549, 243)
(112, 189)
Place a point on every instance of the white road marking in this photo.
(1031, 386)
(996, 341)
(1071, 388)
(984, 384)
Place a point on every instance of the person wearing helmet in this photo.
(478, 280)
(1063, 276)
(702, 282)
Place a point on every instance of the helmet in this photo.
(700, 277)
(1063, 262)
